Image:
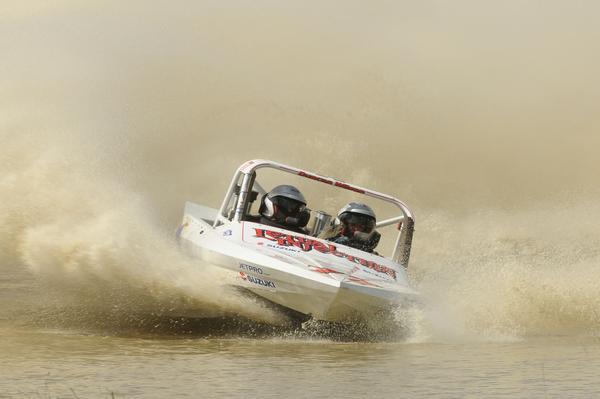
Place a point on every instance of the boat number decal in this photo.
(250, 268)
(308, 244)
(256, 280)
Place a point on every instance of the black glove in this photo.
(366, 242)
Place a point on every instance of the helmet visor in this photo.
(358, 222)
(288, 206)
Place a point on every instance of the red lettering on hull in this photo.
(309, 244)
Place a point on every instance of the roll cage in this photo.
(244, 190)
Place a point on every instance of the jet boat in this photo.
(309, 275)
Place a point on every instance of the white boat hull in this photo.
(299, 272)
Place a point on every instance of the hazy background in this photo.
(481, 115)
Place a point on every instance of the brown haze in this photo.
(483, 116)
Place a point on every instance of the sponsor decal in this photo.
(317, 178)
(252, 269)
(257, 281)
(285, 241)
(348, 187)
(289, 249)
(227, 233)
(331, 182)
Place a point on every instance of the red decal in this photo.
(317, 178)
(330, 182)
(320, 247)
(260, 233)
(348, 187)
(300, 242)
(308, 244)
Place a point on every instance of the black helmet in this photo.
(356, 217)
(285, 205)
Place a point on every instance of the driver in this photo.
(284, 207)
(354, 227)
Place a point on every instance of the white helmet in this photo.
(285, 204)
(357, 207)
(358, 216)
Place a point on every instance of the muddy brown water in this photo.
(481, 116)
